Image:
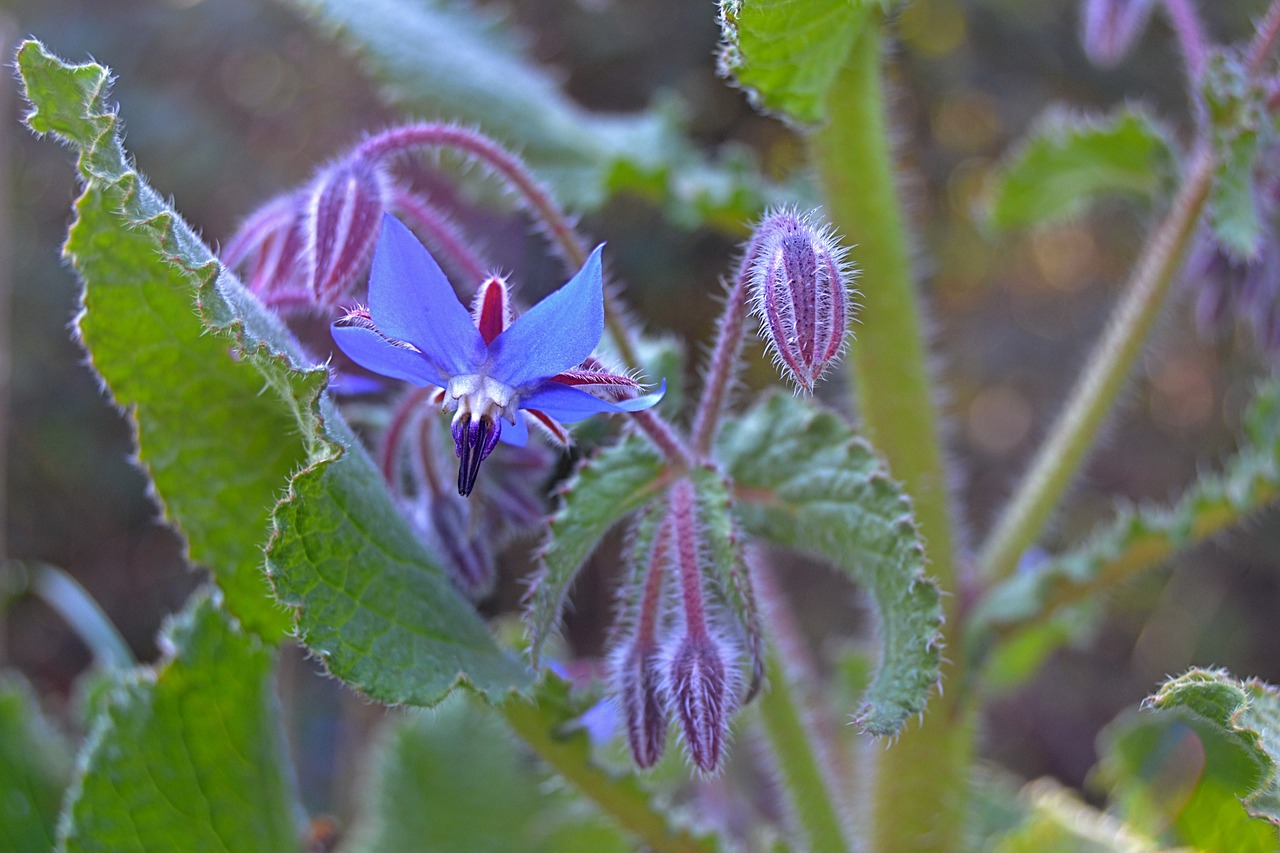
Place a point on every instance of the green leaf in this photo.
(447, 60)
(804, 480)
(35, 766)
(454, 779)
(230, 411)
(1246, 716)
(154, 355)
(189, 756)
(1068, 162)
(786, 53)
(618, 480)
(552, 725)
(1021, 610)
(1058, 821)
(1241, 129)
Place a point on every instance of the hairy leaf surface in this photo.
(1025, 608)
(1068, 162)
(454, 779)
(804, 480)
(231, 413)
(786, 53)
(618, 480)
(189, 755)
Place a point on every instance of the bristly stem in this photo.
(663, 437)
(559, 227)
(1091, 400)
(1186, 23)
(723, 366)
(919, 802)
(1264, 40)
(803, 761)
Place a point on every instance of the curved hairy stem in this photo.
(1094, 394)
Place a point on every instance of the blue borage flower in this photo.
(536, 369)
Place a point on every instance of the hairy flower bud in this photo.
(1111, 28)
(641, 691)
(344, 218)
(702, 689)
(466, 554)
(267, 246)
(799, 290)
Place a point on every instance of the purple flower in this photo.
(491, 369)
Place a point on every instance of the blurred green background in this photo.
(227, 102)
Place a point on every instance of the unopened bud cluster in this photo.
(677, 654)
(799, 282)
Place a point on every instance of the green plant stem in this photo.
(619, 797)
(1095, 392)
(789, 725)
(919, 803)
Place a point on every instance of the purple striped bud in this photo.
(799, 290)
(702, 688)
(267, 246)
(641, 691)
(1111, 28)
(344, 219)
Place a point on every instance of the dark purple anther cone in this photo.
(474, 439)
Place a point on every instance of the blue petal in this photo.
(554, 335)
(372, 351)
(568, 404)
(516, 434)
(411, 300)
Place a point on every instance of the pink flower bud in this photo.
(702, 689)
(799, 289)
(1111, 28)
(344, 218)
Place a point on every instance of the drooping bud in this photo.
(466, 554)
(268, 244)
(702, 671)
(641, 692)
(635, 662)
(1110, 28)
(344, 218)
(800, 292)
(703, 694)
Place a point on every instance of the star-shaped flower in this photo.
(491, 369)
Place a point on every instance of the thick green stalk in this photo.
(1095, 392)
(801, 742)
(805, 780)
(619, 797)
(919, 799)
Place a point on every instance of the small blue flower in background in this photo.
(491, 369)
